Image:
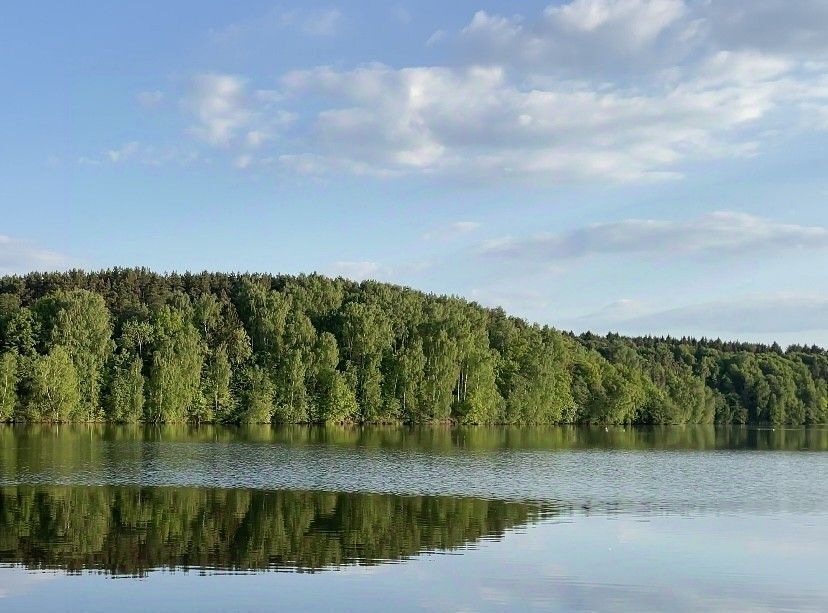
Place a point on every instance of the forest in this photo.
(131, 345)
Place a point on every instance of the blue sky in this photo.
(632, 165)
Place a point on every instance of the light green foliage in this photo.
(299, 337)
(207, 315)
(216, 385)
(533, 374)
(479, 401)
(257, 397)
(316, 296)
(333, 399)
(409, 377)
(256, 348)
(238, 345)
(264, 312)
(366, 335)
(79, 321)
(175, 368)
(339, 402)
(54, 393)
(126, 392)
(8, 384)
(136, 336)
(604, 393)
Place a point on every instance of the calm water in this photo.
(178, 518)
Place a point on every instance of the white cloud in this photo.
(595, 35)
(230, 113)
(219, 104)
(717, 234)
(476, 121)
(19, 256)
(733, 68)
(590, 90)
(452, 230)
(636, 36)
(641, 20)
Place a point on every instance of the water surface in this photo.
(206, 518)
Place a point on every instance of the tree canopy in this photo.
(129, 345)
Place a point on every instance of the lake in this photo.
(134, 518)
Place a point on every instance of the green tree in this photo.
(366, 334)
(54, 392)
(333, 398)
(218, 347)
(21, 332)
(125, 402)
(79, 321)
(216, 385)
(479, 400)
(175, 368)
(136, 336)
(8, 384)
(257, 397)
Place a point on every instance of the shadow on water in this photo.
(133, 530)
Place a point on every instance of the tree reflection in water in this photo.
(132, 530)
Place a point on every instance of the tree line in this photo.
(130, 345)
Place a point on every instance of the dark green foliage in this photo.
(128, 345)
(133, 530)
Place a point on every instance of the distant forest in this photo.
(130, 345)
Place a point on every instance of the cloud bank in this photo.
(720, 233)
(607, 90)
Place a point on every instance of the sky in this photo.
(640, 166)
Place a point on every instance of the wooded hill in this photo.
(127, 345)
